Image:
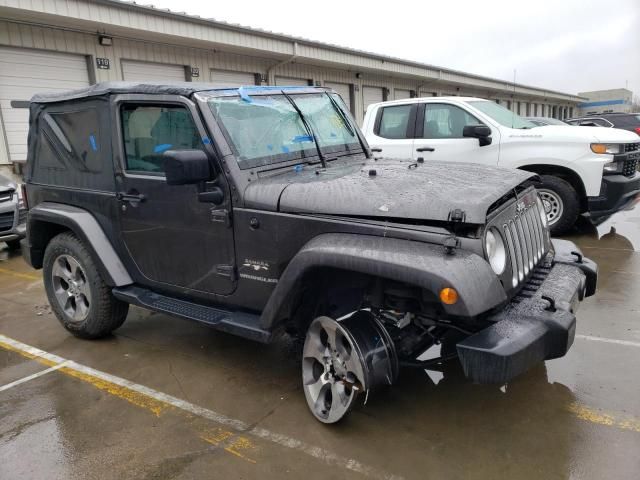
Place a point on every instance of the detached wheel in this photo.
(342, 360)
(79, 297)
(561, 203)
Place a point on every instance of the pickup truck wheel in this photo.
(561, 203)
(78, 295)
(341, 360)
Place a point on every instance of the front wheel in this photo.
(560, 202)
(341, 360)
(79, 297)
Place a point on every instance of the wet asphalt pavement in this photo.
(243, 413)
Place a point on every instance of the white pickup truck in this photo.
(583, 169)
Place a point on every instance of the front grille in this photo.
(6, 196)
(631, 147)
(6, 221)
(629, 167)
(525, 235)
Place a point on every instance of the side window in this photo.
(446, 121)
(78, 133)
(149, 130)
(394, 122)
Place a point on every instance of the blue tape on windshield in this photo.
(297, 168)
(244, 95)
(302, 138)
(94, 144)
(270, 147)
(206, 140)
(285, 149)
(161, 148)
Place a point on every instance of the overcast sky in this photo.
(566, 45)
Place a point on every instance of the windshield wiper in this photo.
(345, 120)
(310, 131)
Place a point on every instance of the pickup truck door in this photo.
(174, 239)
(392, 132)
(439, 137)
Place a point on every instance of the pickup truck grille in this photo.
(6, 221)
(629, 167)
(6, 196)
(525, 236)
(631, 147)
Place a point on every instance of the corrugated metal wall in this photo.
(54, 39)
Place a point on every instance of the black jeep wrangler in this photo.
(260, 210)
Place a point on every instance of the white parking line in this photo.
(35, 375)
(609, 340)
(326, 456)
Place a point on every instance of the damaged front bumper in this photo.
(539, 324)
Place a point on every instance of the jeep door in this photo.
(174, 240)
(439, 135)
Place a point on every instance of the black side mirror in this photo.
(481, 132)
(185, 167)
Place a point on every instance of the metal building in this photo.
(48, 45)
(619, 100)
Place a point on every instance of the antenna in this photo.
(513, 115)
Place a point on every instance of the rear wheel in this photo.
(342, 360)
(78, 295)
(560, 202)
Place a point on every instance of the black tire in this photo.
(13, 245)
(103, 313)
(569, 202)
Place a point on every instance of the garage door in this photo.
(400, 93)
(25, 72)
(371, 95)
(133, 71)
(229, 79)
(343, 89)
(292, 82)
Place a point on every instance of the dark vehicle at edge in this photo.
(625, 121)
(260, 211)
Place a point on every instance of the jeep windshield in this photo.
(502, 115)
(267, 129)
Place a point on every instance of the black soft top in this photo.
(175, 88)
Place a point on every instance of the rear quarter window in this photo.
(72, 146)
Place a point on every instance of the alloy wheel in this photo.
(71, 287)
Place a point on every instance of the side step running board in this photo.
(238, 323)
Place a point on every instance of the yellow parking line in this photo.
(601, 418)
(234, 441)
(26, 276)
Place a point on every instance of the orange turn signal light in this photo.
(448, 296)
(598, 148)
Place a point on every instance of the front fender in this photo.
(48, 216)
(424, 265)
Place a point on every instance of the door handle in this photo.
(131, 197)
(425, 149)
(376, 150)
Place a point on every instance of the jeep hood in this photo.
(398, 189)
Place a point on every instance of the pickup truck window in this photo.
(442, 120)
(149, 130)
(501, 115)
(266, 129)
(394, 121)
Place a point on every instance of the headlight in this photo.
(496, 253)
(610, 148)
